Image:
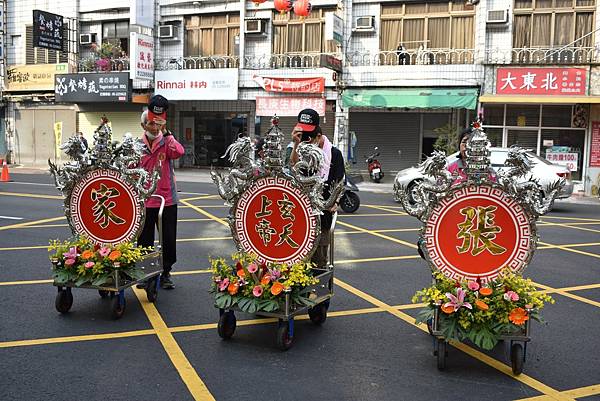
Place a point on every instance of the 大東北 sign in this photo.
(33, 77)
(209, 84)
(477, 232)
(291, 85)
(275, 220)
(541, 81)
(595, 145)
(288, 106)
(567, 159)
(47, 30)
(92, 87)
(142, 56)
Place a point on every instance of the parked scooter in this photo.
(349, 201)
(375, 171)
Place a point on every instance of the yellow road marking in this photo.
(199, 198)
(568, 295)
(203, 239)
(70, 339)
(31, 195)
(531, 382)
(572, 227)
(399, 241)
(66, 225)
(31, 223)
(569, 249)
(581, 392)
(387, 210)
(27, 282)
(367, 215)
(24, 248)
(389, 230)
(189, 272)
(576, 288)
(569, 218)
(205, 213)
(382, 259)
(189, 376)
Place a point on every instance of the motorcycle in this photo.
(349, 201)
(375, 171)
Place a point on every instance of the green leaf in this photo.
(223, 300)
(268, 305)
(483, 337)
(81, 280)
(102, 279)
(450, 328)
(424, 315)
(61, 276)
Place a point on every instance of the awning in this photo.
(539, 99)
(412, 98)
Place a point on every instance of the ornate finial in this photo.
(102, 152)
(478, 153)
(273, 150)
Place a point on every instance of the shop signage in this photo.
(142, 13)
(209, 84)
(563, 158)
(47, 30)
(331, 62)
(541, 81)
(142, 56)
(291, 85)
(595, 145)
(92, 87)
(288, 106)
(33, 77)
(334, 28)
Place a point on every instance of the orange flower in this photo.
(233, 288)
(481, 305)
(518, 316)
(276, 288)
(114, 255)
(485, 291)
(265, 280)
(447, 309)
(241, 273)
(87, 254)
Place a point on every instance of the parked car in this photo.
(542, 170)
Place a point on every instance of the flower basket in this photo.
(81, 262)
(480, 312)
(254, 287)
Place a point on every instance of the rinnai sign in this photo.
(291, 85)
(541, 81)
(211, 84)
(142, 56)
(288, 106)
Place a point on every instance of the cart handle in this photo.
(331, 241)
(160, 214)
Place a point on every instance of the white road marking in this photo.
(31, 183)
(11, 218)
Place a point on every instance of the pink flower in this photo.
(252, 268)
(257, 291)
(104, 251)
(275, 274)
(224, 284)
(511, 296)
(473, 285)
(70, 262)
(72, 254)
(89, 265)
(458, 300)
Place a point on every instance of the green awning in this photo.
(412, 98)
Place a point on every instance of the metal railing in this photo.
(542, 55)
(103, 65)
(272, 61)
(423, 56)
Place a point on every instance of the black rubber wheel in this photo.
(151, 291)
(517, 358)
(377, 181)
(64, 300)
(318, 314)
(441, 354)
(284, 340)
(226, 326)
(349, 202)
(117, 310)
(103, 293)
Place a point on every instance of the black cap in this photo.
(157, 107)
(308, 120)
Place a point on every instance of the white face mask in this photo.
(151, 136)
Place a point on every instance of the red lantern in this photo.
(258, 2)
(283, 6)
(302, 8)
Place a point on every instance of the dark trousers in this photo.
(169, 233)
(321, 255)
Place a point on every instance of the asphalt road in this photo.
(368, 349)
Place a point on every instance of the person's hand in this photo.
(166, 133)
(334, 208)
(297, 136)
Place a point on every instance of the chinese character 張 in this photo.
(478, 231)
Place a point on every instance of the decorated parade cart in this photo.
(478, 235)
(275, 219)
(104, 195)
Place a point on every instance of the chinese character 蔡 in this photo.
(104, 205)
(285, 208)
(285, 236)
(264, 204)
(265, 231)
(478, 231)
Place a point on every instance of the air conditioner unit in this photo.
(87, 38)
(167, 32)
(497, 17)
(255, 26)
(366, 23)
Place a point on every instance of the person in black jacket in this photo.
(308, 130)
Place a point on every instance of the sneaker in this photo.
(166, 283)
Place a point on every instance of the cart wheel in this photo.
(226, 326)
(517, 358)
(151, 291)
(318, 313)
(103, 293)
(64, 300)
(117, 308)
(441, 354)
(284, 340)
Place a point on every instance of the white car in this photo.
(542, 170)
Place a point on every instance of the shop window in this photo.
(291, 34)
(211, 35)
(494, 136)
(556, 116)
(565, 142)
(521, 115)
(526, 139)
(493, 114)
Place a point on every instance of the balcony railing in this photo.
(273, 61)
(412, 57)
(103, 65)
(543, 55)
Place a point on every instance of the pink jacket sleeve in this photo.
(174, 148)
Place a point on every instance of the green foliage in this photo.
(447, 140)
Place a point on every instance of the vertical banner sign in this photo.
(142, 12)
(58, 127)
(47, 30)
(334, 28)
(142, 56)
(595, 148)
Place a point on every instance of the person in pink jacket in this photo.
(160, 151)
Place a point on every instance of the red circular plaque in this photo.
(104, 208)
(275, 220)
(477, 232)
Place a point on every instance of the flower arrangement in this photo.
(103, 57)
(80, 261)
(257, 287)
(481, 312)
